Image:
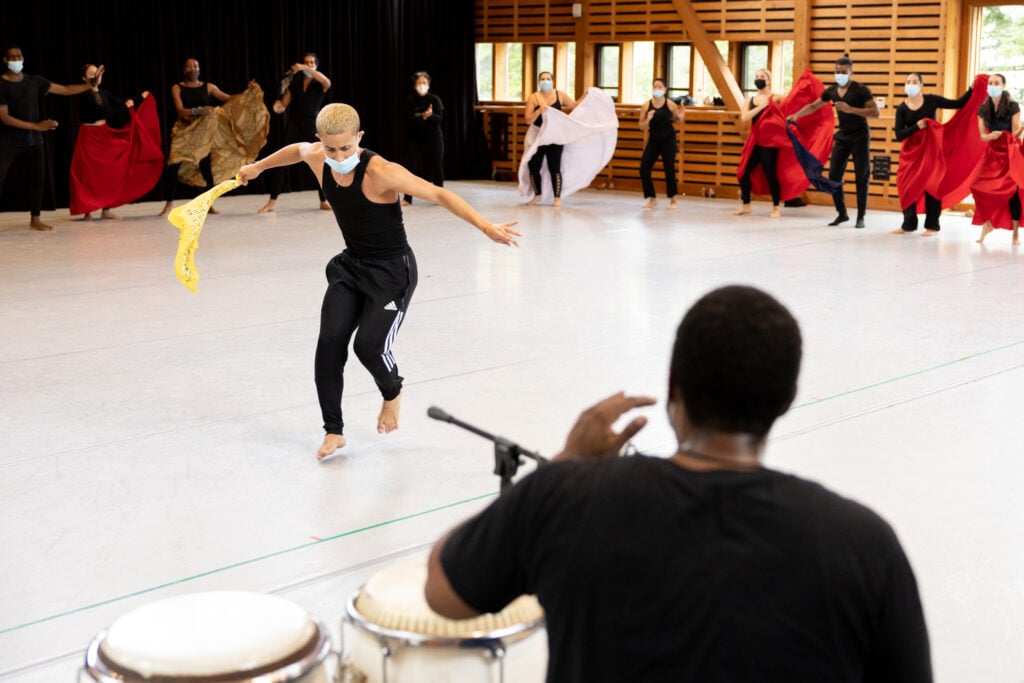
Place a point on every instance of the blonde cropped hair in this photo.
(337, 118)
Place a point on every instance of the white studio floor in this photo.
(156, 441)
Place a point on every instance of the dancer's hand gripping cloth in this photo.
(189, 219)
(588, 134)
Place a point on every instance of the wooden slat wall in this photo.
(886, 40)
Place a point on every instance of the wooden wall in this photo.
(886, 40)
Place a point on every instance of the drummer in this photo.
(706, 561)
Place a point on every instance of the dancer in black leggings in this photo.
(855, 105)
(658, 118)
(546, 96)
(762, 155)
(370, 284)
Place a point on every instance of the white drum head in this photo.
(209, 634)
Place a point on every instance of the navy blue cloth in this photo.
(812, 167)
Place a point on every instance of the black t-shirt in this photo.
(907, 118)
(306, 102)
(425, 128)
(93, 106)
(857, 95)
(995, 122)
(651, 572)
(22, 101)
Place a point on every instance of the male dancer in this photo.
(370, 284)
(855, 105)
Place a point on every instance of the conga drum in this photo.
(206, 637)
(390, 635)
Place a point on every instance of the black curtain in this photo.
(368, 48)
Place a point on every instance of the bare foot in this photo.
(35, 223)
(387, 421)
(536, 198)
(332, 442)
(985, 230)
(651, 203)
(900, 231)
(929, 233)
(743, 210)
(325, 206)
(86, 216)
(775, 213)
(109, 215)
(269, 206)
(405, 203)
(672, 205)
(167, 208)
(558, 201)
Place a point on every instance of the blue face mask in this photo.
(15, 67)
(658, 93)
(842, 79)
(995, 91)
(546, 85)
(913, 90)
(345, 165)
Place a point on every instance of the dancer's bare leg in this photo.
(167, 208)
(387, 421)
(109, 215)
(269, 206)
(325, 206)
(332, 442)
(1016, 227)
(86, 216)
(36, 223)
(985, 230)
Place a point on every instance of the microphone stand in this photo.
(508, 456)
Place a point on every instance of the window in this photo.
(754, 58)
(608, 69)
(484, 71)
(997, 49)
(710, 89)
(513, 72)
(544, 58)
(642, 72)
(570, 71)
(678, 65)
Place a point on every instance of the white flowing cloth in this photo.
(588, 134)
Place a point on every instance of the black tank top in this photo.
(194, 97)
(557, 105)
(371, 230)
(662, 123)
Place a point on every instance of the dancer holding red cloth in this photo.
(997, 181)
(922, 157)
(768, 164)
(118, 157)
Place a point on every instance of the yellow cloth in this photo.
(232, 135)
(189, 219)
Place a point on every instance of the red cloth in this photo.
(922, 166)
(962, 147)
(997, 179)
(815, 133)
(114, 166)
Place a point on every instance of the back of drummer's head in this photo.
(736, 360)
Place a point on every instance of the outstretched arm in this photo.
(58, 89)
(286, 156)
(387, 176)
(808, 109)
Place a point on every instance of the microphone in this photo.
(438, 414)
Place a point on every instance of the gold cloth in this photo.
(231, 135)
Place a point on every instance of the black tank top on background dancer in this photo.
(557, 105)
(371, 230)
(192, 98)
(994, 122)
(662, 124)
